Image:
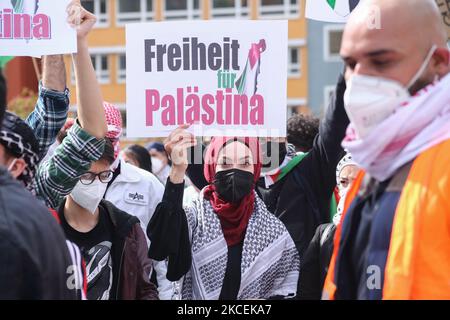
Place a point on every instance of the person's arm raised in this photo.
(54, 73)
(91, 114)
(85, 143)
(52, 106)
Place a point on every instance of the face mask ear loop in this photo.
(12, 164)
(423, 67)
(448, 49)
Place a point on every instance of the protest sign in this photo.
(35, 28)
(330, 10)
(227, 77)
(444, 6)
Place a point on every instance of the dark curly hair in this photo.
(301, 131)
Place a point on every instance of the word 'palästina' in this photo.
(228, 108)
(24, 26)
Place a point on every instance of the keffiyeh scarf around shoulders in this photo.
(418, 125)
(270, 262)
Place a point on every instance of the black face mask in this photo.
(233, 185)
(268, 147)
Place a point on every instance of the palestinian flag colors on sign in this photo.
(4, 61)
(25, 6)
(248, 81)
(343, 7)
(330, 10)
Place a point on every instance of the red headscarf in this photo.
(233, 217)
(114, 122)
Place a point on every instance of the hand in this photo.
(173, 137)
(177, 145)
(91, 114)
(80, 18)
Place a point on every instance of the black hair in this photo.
(141, 155)
(2, 96)
(108, 153)
(301, 131)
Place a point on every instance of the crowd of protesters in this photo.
(354, 206)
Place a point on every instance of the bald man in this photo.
(394, 241)
(396, 51)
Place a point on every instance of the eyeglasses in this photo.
(89, 177)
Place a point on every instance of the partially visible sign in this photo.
(35, 28)
(330, 10)
(444, 6)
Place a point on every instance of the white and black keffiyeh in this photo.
(16, 145)
(347, 160)
(270, 261)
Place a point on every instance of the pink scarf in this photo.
(421, 123)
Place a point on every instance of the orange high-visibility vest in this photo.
(418, 262)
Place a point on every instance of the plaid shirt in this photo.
(48, 117)
(56, 177)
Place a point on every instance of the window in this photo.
(292, 110)
(294, 57)
(332, 42)
(229, 8)
(101, 66)
(294, 62)
(182, 9)
(100, 9)
(134, 10)
(295, 106)
(121, 68)
(279, 8)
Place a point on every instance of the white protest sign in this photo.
(336, 11)
(227, 77)
(35, 28)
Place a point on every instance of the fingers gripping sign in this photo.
(177, 145)
(80, 19)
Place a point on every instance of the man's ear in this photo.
(18, 167)
(442, 61)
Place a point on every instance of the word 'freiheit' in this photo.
(191, 55)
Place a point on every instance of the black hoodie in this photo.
(34, 259)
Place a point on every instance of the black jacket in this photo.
(34, 258)
(316, 262)
(131, 265)
(302, 199)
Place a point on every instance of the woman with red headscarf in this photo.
(226, 244)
